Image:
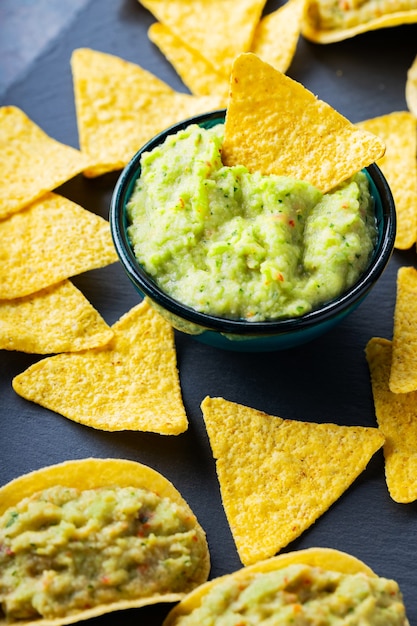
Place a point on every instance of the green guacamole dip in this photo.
(341, 14)
(240, 245)
(300, 595)
(65, 550)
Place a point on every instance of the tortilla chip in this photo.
(403, 375)
(316, 30)
(55, 319)
(31, 162)
(277, 34)
(120, 106)
(94, 473)
(324, 558)
(396, 414)
(50, 240)
(411, 88)
(398, 130)
(276, 126)
(197, 73)
(221, 29)
(130, 384)
(277, 476)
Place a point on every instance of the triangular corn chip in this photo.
(120, 106)
(50, 240)
(31, 162)
(403, 376)
(278, 476)
(220, 29)
(130, 384)
(196, 72)
(277, 34)
(396, 414)
(411, 88)
(55, 319)
(398, 130)
(274, 125)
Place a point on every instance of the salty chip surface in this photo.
(277, 476)
(403, 375)
(219, 29)
(31, 162)
(274, 125)
(52, 239)
(398, 131)
(130, 384)
(56, 319)
(120, 106)
(396, 414)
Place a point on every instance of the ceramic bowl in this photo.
(237, 334)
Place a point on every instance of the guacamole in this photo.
(300, 595)
(64, 550)
(342, 14)
(241, 245)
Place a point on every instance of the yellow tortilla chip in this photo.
(411, 88)
(197, 73)
(324, 558)
(396, 414)
(398, 130)
(120, 106)
(55, 319)
(277, 34)
(403, 375)
(92, 473)
(220, 29)
(274, 125)
(278, 476)
(31, 162)
(356, 18)
(50, 240)
(130, 384)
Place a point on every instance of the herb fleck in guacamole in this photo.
(65, 550)
(341, 14)
(300, 595)
(237, 244)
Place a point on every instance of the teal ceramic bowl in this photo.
(238, 334)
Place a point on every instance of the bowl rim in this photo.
(146, 285)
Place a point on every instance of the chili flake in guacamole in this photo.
(242, 245)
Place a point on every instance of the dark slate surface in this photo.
(326, 380)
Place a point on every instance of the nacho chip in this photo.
(197, 73)
(396, 414)
(220, 29)
(133, 487)
(277, 34)
(326, 23)
(31, 162)
(327, 559)
(55, 319)
(411, 88)
(130, 384)
(398, 130)
(276, 126)
(277, 476)
(120, 106)
(50, 240)
(403, 375)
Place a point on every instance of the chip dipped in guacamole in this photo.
(87, 537)
(242, 245)
(313, 587)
